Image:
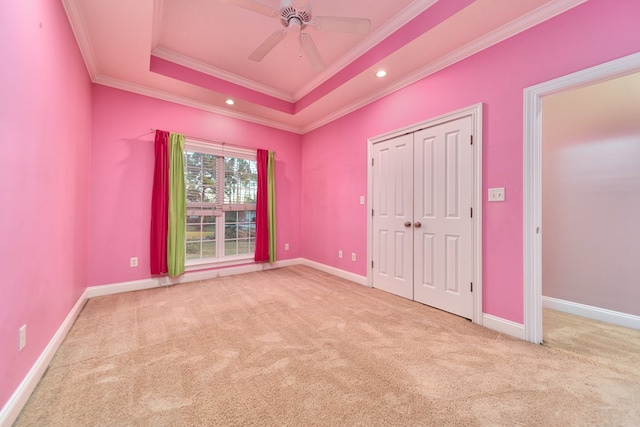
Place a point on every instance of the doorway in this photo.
(425, 224)
(533, 179)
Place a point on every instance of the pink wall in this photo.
(122, 176)
(45, 122)
(334, 157)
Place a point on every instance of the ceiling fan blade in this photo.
(342, 24)
(254, 6)
(267, 45)
(311, 52)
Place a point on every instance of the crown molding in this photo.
(188, 102)
(525, 22)
(193, 64)
(529, 20)
(367, 44)
(79, 28)
(158, 8)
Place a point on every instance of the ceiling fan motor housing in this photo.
(288, 12)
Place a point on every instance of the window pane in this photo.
(208, 195)
(244, 246)
(208, 249)
(231, 247)
(208, 190)
(193, 232)
(246, 216)
(230, 216)
(243, 231)
(192, 159)
(200, 177)
(193, 250)
(240, 180)
(230, 231)
(193, 219)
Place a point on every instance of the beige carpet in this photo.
(297, 347)
(606, 344)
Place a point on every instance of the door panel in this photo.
(392, 208)
(422, 227)
(444, 270)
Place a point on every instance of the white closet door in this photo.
(393, 216)
(443, 225)
(422, 222)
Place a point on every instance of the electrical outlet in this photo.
(22, 337)
(134, 261)
(286, 246)
(496, 194)
(339, 254)
(353, 256)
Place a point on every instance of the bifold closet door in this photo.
(422, 219)
(443, 244)
(393, 216)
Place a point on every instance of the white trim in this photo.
(137, 285)
(590, 312)
(361, 280)
(503, 326)
(390, 27)
(79, 28)
(525, 22)
(475, 111)
(193, 64)
(532, 176)
(189, 102)
(21, 395)
(531, 19)
(219, 148)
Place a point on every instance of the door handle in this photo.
(407, 224)
(418, 224)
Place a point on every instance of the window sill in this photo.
(209, 263)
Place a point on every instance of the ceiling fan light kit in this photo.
(298, 18)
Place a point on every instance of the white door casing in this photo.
(456, 255)
(532, 178)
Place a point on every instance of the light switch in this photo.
(496, 194)
(362, 200)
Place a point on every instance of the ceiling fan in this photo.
(297, 18)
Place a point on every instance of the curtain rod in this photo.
(215, 141)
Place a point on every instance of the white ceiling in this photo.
(205, 45)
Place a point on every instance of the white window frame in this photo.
(222, 151)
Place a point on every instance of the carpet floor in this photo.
(298, 347)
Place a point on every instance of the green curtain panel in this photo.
(177, 206)
(271, 185)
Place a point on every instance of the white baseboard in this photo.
(16, 402)
(138, 285)
(361, 280)
(503, 326)
(590, 312)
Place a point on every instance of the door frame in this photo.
(475, 112)
(532, 178)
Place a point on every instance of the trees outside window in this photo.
(221, 194)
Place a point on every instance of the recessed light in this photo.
(381, 73)
(230, 101)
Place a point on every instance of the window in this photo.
(221, 187)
